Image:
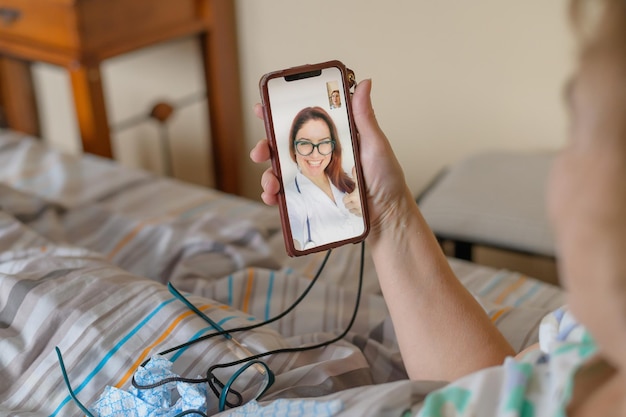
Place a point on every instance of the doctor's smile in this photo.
(313, 155)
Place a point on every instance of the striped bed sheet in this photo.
(87, 246)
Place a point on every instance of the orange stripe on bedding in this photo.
(499, 313)
(508, 290)
(245, 306)
(135, 231)
(129, 236)
(147, 350)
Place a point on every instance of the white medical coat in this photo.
(328, 221)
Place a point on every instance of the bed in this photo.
(88, 248)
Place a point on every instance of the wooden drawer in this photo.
(92, 30)
(109, 26)
(44, 22)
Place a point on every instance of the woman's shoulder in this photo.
(539, 380)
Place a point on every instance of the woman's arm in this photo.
(442, 331)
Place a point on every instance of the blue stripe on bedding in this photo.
(528, 294)
(192, 212)
(125, 339)
(270, 287)
(194, 337)
(491, 285)
(201, 332)
(110, 354)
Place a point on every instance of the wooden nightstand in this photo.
(79, 34)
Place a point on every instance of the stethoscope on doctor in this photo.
(309, 242)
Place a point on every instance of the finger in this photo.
(357, 212)
(269, 182)
(271, 186)
(349, 201)
(269, 199)
(353, 207)
(258, 110)
(260, 152)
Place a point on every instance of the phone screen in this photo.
(316, 157)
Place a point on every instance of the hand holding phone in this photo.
(314, 147)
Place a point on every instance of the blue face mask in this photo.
(157, 401)
(153, 401)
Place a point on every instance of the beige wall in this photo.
(450, 77)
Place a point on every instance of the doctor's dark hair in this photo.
(334, 170)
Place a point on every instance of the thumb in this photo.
(364, 116)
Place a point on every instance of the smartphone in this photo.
(315, 155)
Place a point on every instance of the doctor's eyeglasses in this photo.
(306, 148)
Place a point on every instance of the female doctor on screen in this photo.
(322, 200)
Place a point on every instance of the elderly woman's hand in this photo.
(259, 154)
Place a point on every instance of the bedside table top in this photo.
(64, 31)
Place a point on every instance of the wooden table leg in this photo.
(17, 96)
(221, 64)
(91, 110)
